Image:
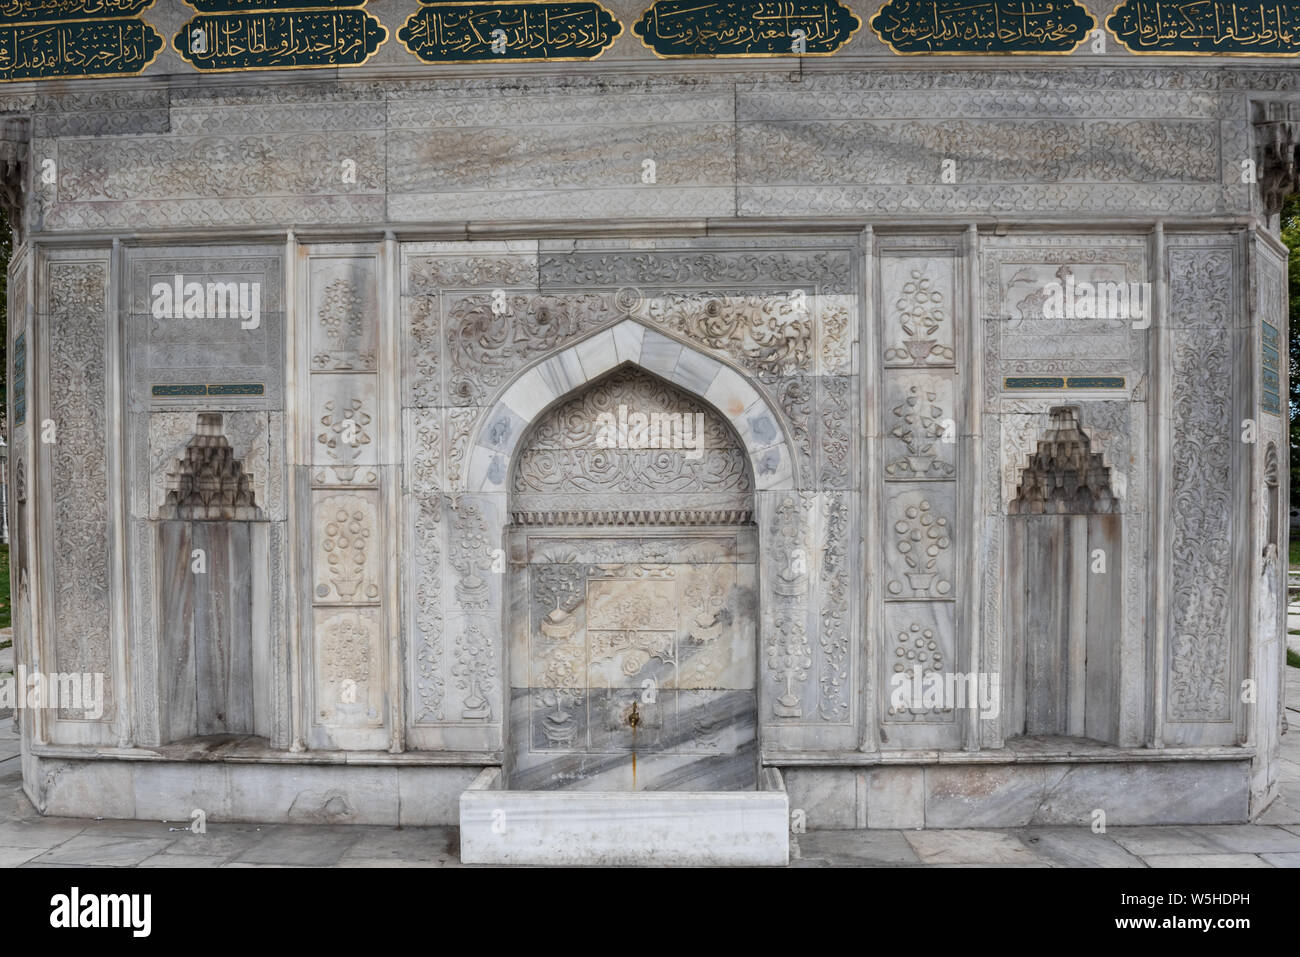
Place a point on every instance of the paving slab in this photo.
(854, 848)
(1251, 838)
(1076, 847)
(1156, 839)
(102, 851)
(1205, 860)
(302, 845)
(429, 846)
(969, 847)
(1282, 860)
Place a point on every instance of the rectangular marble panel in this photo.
(918, 541)
(343, 309)
(920, 425)
(920, 306)
(76, 307)
(345, 429)
(200, 340)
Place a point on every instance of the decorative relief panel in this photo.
(347, 548)
(76, 304)
(631, 433)
(917, 304)
(1067, 307)
(425, 602)
(1202, 625)
(920, 429)
(350, 665)
(344, 311)
(918, 650)
(920, 559)
(345, 430)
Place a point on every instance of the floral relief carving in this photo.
(80, 537)
(346, 649)
(475, 666)
(347, 563)
(922, 538)
(1202, 522)
(788, 661)
(569, 449)
(423, 350)
(489, 337)
(342, 320)
(920, 425)
(920, 314)
(771, 334)
(833, 673)
(471, 556)
(430, 687)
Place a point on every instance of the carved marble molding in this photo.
(760, 428)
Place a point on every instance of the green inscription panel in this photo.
(33, 11)
(985, 26)
(1043, 383)
(687, 28)
(279, 40)
(1270, 369)
(490, 32)
(77, 49)
(1220, 27)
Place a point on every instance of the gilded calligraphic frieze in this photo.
(984, 26)
(1218, 27)
(686, 28)
(77, 48)
(45, 11)
(279, 40)
(244, 6)
(481, 32)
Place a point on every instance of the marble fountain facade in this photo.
(421, 564)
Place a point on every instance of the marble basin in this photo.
(677, 828)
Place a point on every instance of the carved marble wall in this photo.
(760, 142)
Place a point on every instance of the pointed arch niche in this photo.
(633, 469)
(1064, 589)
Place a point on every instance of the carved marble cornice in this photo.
(634, 516)
(1277, 149)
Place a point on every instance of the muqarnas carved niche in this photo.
(208, 482)
(1064, 476)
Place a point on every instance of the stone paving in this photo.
(29, 840)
